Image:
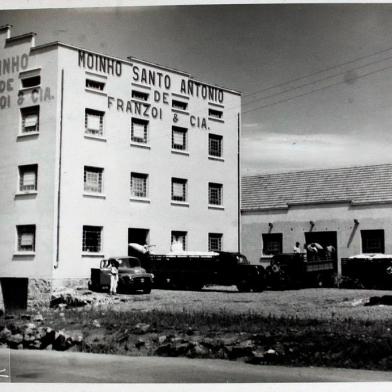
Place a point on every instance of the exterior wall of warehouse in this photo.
(28, 209)
(115, 212)
(294, 222)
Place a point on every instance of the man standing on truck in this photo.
(297, 248)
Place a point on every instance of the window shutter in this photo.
(29, 178)
(31, 120)
(138, 130)
(93, 122)
(26, 239)
(178, 138)
(178, 189)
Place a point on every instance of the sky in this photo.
(335, 111)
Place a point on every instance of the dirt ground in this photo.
(319, 304)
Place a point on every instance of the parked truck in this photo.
(131, 276)
(370, 271)
(194, 270)
(297, 270)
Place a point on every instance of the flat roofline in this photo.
(129, 62)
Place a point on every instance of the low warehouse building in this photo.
(348, 208)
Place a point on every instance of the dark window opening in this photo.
(272, 243)
(373, 241)
(139, 95)
(32, 81)
(95, 85)
(179, 105)
(215, 113)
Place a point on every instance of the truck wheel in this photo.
(243, 287)
(147, 290)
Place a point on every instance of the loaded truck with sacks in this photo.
(194, 270)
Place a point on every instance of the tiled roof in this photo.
(356, 185)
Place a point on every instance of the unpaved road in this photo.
(51, 366)
(321, 303)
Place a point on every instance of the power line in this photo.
(317, 72)
(313, 91)
(318, 80)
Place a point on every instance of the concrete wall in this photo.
(22, 209)
(293, 223)
(115, 212)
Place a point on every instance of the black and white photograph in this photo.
(196, 193)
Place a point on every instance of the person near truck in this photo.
(113, 265)
(297, 248)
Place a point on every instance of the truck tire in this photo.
(243, 287)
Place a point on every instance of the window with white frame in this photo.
(214, 145)
(92, 239)
(25, 238)
(95, 84)
(28, 178)
(141, 95)
(178, 241)
(214, 242)
(179, 104)
(139, 130)
(93, 179)
(215, 194)
(139, 185)
(179, 138)
(179, 189)
(30, 119)
(31, 81)
(93, 122)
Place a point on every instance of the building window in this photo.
(95, 85)
(179, 105)
(215, 194)
(141, 95)
(26, 238)
(272, 243)
(93, 179)
(139, 185)
(31, 81)
(179, 138)
(92, 239)
(214, 145)
(94, 122)
(179, 189)
(139, 130)
(28, 178)
(373, 241)
(214, 242)
(30, 119)
(178, 241)
(215, 113)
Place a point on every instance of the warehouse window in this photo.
(178, 241)
(214, 145)
(92, 239)
(95, 85)
(94, 122)
(28, 178)
(30, 119)
(272, 243)
(31, 81)
(215, 194)
(212, 113)
(179, 105)
(139, 130)
(93, 179)
(26, 238)
(179, 138)
(373, 241)
(179, 189)
(141, 95)
(139, 184)
(214, 242)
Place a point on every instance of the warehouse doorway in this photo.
(325, 239)
(138, 236)
(14, 292)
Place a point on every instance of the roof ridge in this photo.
(318, 170)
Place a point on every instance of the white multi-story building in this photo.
(97, 152)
